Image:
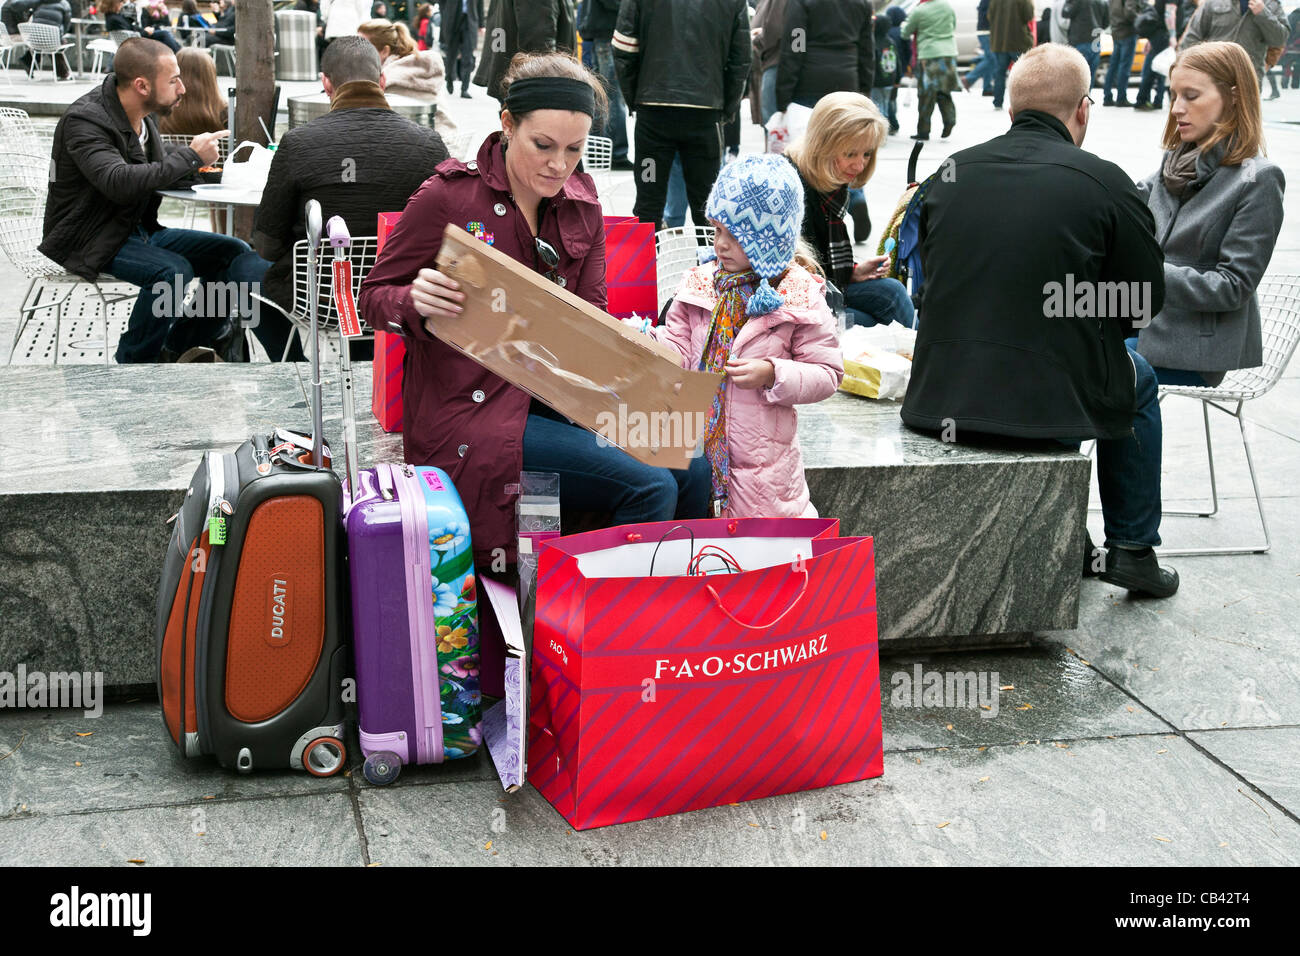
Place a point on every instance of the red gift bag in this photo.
(630, 275)
(390, 352)
(656, 693)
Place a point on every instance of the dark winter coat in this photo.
(526, 26)
(997, 351)
(827, 45)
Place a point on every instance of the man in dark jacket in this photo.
(1008, 39)
(597, 28)
(682, 66)
(523, 26)
(827, 45)
(1087, 22)
(358, 160)
(16, 12)
(458, 37)
(1023, 334)
(101, 214)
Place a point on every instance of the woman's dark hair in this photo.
(189, 8)
(527, 66)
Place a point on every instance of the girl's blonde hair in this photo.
(806, 256)
(839, 122)
(202, 109)
(384, 33)
(1228, 67)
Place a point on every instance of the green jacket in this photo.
(1009, 25)
(935, 26)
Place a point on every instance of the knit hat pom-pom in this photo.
(764, 300)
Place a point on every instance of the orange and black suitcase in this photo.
(251, 607)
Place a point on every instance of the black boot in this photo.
(1094, 558)
(1139, 572)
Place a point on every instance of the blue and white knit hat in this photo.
(760, 200)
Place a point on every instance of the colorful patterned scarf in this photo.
(729, 315)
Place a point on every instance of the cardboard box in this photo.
(617, 383)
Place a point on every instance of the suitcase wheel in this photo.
(324, 757)
(382, 767)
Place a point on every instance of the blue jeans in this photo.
(675, 205)
(170, 259)
(607, 479)
(1092, 55)
(1121, 62)
(1002, 62)
(1128, 470)
(616, 126)
(767, 94)
(985, 65)
(1152, 87)
(878, 302)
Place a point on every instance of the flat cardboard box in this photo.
(617, 383)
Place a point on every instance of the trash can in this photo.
(305, 108)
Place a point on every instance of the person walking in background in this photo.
(1255, 25)
(425, 38)
(458, 37)
(1088, 19)
(342, 17)
(889, 69)
(1009, 38)
(1290, 62)
(597, 28)
(1217, 248)
(526, 26)
(1123, 47)
(826, 45)
(903, 45)
(934, 24)
(756, 313)
(983, 68)
(1151, 91)
(682, 67)
(766, 26)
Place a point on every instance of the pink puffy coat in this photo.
(766, 476)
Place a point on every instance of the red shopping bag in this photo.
(390, 352)
(630, 274)
(653, 694)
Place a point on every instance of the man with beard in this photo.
(101, 213)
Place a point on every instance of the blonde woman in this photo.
(1217, 203)
(837, 154)
(407, 70)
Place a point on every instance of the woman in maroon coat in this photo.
(522, 195)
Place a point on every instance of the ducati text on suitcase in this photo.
(416, 620)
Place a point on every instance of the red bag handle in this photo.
(762, 627)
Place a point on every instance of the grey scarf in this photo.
(1179, 170)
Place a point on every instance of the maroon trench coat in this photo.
(458, 415)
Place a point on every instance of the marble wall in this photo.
(973, 544)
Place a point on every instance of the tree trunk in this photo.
(254, 83)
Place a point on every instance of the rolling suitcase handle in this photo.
(318, 415)
(340, 241)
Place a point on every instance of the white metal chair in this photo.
(458, 143)
(24, 179)
(8, 46)
(597, 154)
(17, 131)
(44, 39)
(102, 46)
(227, 51)
(1279, 306)
(362, 254)
(183, 139)
(677, 249)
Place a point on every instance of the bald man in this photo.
(1039, 260)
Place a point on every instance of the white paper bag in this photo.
(251, 174)
(1164, 60)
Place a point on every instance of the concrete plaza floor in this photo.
(1156, 733)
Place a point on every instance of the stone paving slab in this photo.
(1269, 759)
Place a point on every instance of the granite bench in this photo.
(974, 546)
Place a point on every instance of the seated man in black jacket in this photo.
(1022, 333)
(101, 214)
(358, 160)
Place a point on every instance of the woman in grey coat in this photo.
(1217, 204)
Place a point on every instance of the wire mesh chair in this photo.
(102, 46)
(597, 154)
(677, 250)
(1279, 306)
(45, 39)
(458, 144)
(24, 180)
(17, 131)
(7, 48)
(362, 253)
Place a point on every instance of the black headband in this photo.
(550, 93)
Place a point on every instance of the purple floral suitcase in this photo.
(415, 620)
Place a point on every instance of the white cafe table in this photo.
(230, 198)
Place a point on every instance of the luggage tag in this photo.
(349, 324)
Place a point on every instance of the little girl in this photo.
(776, 346)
